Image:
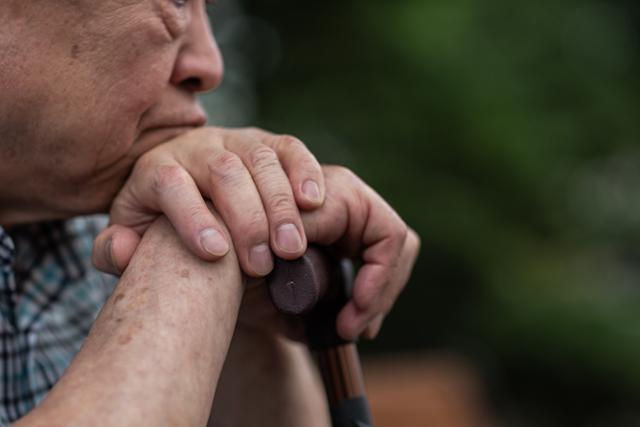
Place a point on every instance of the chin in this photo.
(87, 200)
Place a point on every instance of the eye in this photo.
(180, 3)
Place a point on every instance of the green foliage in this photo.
(506, 133)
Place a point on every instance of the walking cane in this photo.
(316, 286)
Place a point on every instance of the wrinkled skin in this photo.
(91, 88)
(87, 87)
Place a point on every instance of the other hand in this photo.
(356, 223)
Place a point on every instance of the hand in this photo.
(357, 223)
(354, 219)
(256, 180)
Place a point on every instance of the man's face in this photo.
(86, 87)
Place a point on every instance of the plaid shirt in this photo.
(49, 297)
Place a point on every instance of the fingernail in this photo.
(260, 259)
(311, 190)
(213, 242)
(288, 238)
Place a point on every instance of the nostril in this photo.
(192, 84)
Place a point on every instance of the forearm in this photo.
(268, 380)
(157, 348)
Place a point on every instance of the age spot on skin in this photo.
(16, 10)
(185, 273)
(124, 339)
(118, 298)
(74, 51)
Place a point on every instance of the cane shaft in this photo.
(341, 373)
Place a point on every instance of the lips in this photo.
(166, 127)
(175, 114)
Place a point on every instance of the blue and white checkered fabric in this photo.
(49, 297)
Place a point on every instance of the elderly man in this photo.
(98, 112)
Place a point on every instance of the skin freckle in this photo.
(185, 273)
(118, 298)
(124, 339)
(74, 51)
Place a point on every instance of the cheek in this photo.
(71, 100)
(122, 88)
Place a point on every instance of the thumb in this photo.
(113, 249)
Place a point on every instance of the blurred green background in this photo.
(506, 133)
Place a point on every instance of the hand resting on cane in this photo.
(354, 220)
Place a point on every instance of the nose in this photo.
(199, 66)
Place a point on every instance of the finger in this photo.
(378, 283)
(351, 321)
(113, 249)
(176, 194)
(402, 272)
(235, 196)
(287, 235)
(384, 239)
(339, 218)
(372, 331)
(302, 168)
(363, 224)
(354, 321)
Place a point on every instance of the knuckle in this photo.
(281, 204)
(289, 142)
(262, 159)
(345, 174)
(401, 232)
(145, 161)
(396, 242)
(255, 227)
(224, 165)
(254, 133)
(253, 129)
(167, 177)
(147, 164)
(413, 242)
(195, 212)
